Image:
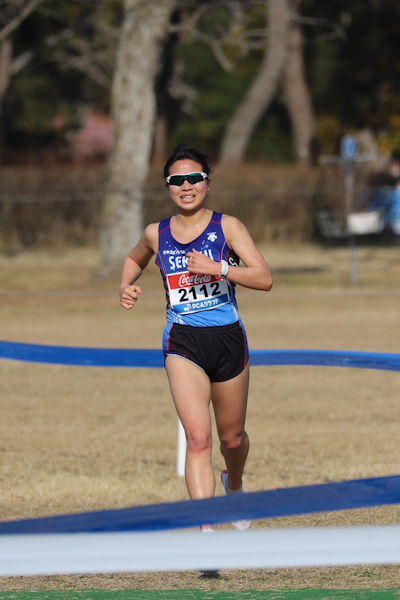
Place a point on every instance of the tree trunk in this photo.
(160, 140)
(5, 65)
(298, 97)
(262, 90)
(144, 31)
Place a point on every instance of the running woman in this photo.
(204, 342)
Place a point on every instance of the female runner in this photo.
(204, 342)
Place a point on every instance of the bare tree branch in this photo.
(26, 10)
(241, 38)
(77, 53)
(337, 31)
(20, 62)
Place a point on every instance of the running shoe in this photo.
(239, 525)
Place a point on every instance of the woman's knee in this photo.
(198, 442)
(232, 440)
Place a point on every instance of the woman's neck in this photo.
(186, 228)
(196, 219)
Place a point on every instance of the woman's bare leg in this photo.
(191, 393)
(230, 403)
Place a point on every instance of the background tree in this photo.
(61, 67)
(143, 34)
(64, 54)
(297, 92)
(12, 14)
(262, 90)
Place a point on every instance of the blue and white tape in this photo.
(79, 553)
(139, 538)
(145, 357)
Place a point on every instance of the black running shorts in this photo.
(221, 351)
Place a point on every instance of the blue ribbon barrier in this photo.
(86, 357)
(257, 505)
(150, 358)
(326, 358)
(360, 493)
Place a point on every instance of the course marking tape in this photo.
(153, 358)
(135, 552)
(111, 541)
(283, 502)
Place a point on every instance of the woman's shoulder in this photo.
(150, 234)
(231, 223)
(234, 230)
(151, 229)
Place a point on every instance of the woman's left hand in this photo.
(200, 264)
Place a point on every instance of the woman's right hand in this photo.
(128, 296)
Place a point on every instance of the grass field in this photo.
(305, 594)
(76, 439)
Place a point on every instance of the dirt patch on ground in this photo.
(76, 439)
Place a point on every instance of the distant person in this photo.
(204, 342)
(394, 214)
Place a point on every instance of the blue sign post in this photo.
(349, 156)
(349, 147)
(349, 152)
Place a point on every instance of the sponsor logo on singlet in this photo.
(177, 262)
(191, 292)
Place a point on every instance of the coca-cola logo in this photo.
(187, 279)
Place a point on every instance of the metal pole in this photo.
(349, 186)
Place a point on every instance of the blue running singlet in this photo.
(196, 300)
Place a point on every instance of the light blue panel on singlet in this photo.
(196, 300)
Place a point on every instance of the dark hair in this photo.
(183, 152)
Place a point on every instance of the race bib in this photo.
(190, 293)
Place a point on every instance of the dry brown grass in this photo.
(77, 439)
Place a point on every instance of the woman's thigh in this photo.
(229, 400)
(191, 393)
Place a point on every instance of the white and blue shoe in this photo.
(239, 525)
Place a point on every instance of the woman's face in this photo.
(188, 197)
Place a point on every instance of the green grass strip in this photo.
(302, 594)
